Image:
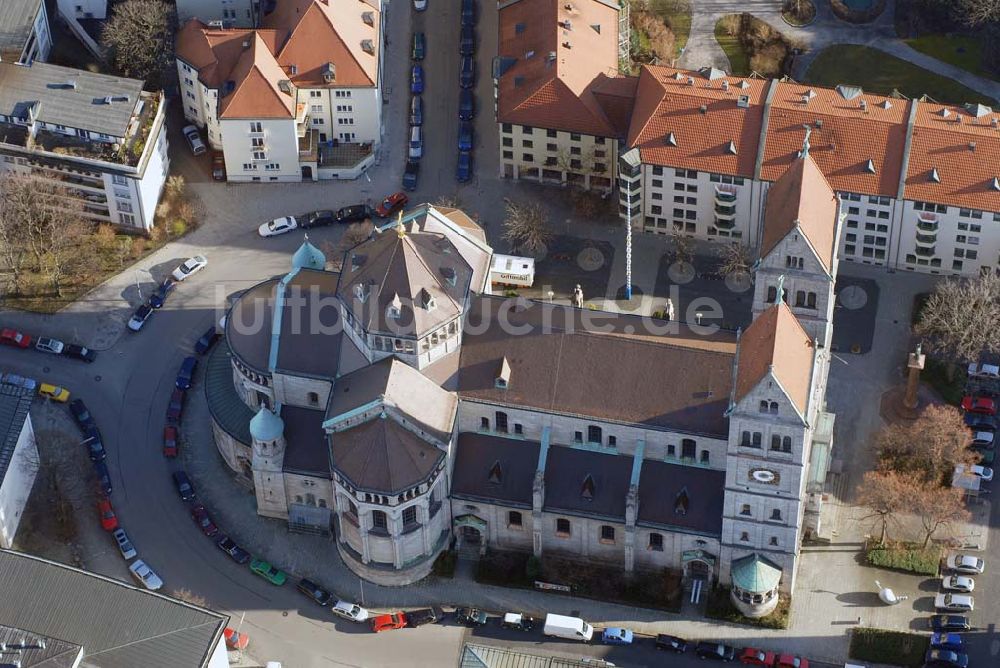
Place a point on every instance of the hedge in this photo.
(896, 648)
(905, 557)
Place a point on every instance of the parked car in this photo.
(159, 297)
(516, 621)
(966, 563)
(317, 219)
(470, 616)
(463, 169)
(277, 226)
(79, 352)
(941, 623)
(952, 641)
(751, 656)
(185, 373)
(467, 41)
(983, 439)
(184, 486)
(977, 422)
(469, 12)
(944, 658)
(466, 105)
(791, 661)
(395, 620)
(616, 635)
(671, 643)
(206, 340)
(189, 267)
(353, 213)
(954, 602)
(46, 345)
(235, 640)
(416, 618)
(984, 371)
(715, 650)
(218, 166)
(419, 5)
(12, 337)
(176, 406)
(962, 583)
(419, 46)
(466, 136)
(140, 317)
(204, 522)
(982, 405)
(348, 610)
(410, 174)
(194, 139)
(20, 381)
(467, 72)
(109, 521)
(124, 544)
(416, 110)
(415, 149)
(391, 204)
(78, 409)
(229, 546)
(170, 440)
(53, 392)
(273, 575)
(417, 79)
(986, 456)
(144, 574)
(103, 477)
(95, 446)
(985, 473)
(314, 591)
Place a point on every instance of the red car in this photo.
(12, 337)
(201, 518)
(392, 204)
(757, 657)
(109, 521)
(982, 405)
(235, 639)
(170, 441)
(396, 620)
(791, 661)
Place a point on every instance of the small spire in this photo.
(779, 294)
(400, 228)
(805, 142)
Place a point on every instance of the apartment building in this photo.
(298, 99)
(223, 13)
(24, 31)
(100, 137)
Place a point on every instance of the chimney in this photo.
(285, 86)
(743, 102)
(566, 24)
(703, 109)
(690, 81)
(567, 45)
(725, 86)
(863, 105)
(972, 146)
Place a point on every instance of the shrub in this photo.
(532, 568)
(905, 557)
(893, 647)
(444, 565)
(178, 228)
(506, 569)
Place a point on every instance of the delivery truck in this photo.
(569, 628)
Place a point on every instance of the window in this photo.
(745, 510)
(508, 155)
(704, 456)
(518, 428)
(256, 126)
(744, 537)
(501, 422)
(551, 133)
(776, 515)
(688, 448)
(786, 444)
(562, 527)
(313, 398)
(607, 534)
(793, 262)
(745, 439)
(757, 436)
(527, 157)
(551, 147)
(514, 519)
(126, 218)
(671, 450)
(612, 442)
(119, 180)
(763, 406)
(259, 155)
(409, 515)
(527, 143)
(775, 442)
(484, 423)
(773, 408)
(379, 520)
(657, 170)
(773, 541)
(656, 542)
(574, 136)
(578, 437)
(594, 434)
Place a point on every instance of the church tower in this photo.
(267, 431)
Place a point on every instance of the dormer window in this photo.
(427, 301)
(682, 502)
(361, 292)
(502, 380)
(450, 277)
(395, 308)
(588, 488)
(496, 473)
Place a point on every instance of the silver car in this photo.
(47, 345)
(144, 574)
(966, 563)
(124, 544)
(348, 610)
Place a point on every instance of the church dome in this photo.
(266, 426)
(308, 257)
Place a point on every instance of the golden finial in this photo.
(400, 228)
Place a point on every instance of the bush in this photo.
(906, 557)
(893, 647)
(506, 569)
(720, 606)
(532, 568)
(444, 565)
(178, 228)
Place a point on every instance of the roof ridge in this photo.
(430, 271)
(649, 119)
(333, 27)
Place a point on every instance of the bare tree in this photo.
(939, 507)
(353, 235)
(734, 258)
(449, 202)
(886, 494)
(978, 12)
(139, 40)
(929, 447)
(526, 227)
(681, 248)
(961, 319)
(63, 259)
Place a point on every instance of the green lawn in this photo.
(878, 72)
(677, 15)
(738, 63)
(965, 51)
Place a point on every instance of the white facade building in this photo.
(18, 459)
(225, 13)
(25, 35)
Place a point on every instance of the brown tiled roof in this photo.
(462, 219)
(801, 198)
(662, 483)
(257, 94)
(704, 116)
(614, 375)
(775, 343)
(383, 456)
(964, 147)
(477, 456)
(607, 476)
(849, 128)
(616, 95)
(556, 56)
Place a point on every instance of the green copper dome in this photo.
(308, 257)
(266, 426)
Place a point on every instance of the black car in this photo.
(715, 650)
(317, 219)
(207, 340)
(944, 658)
(314, 591)
(466, 136)
(95, 447)
(467, 72)
(469, 12)
(949, 623)
(79, 352)
(353, 214)
(185, 373)
(423, 616)
(184, 486)
(672, 643)
(980, 422)
(463, 168)
(470, 616)
(467, 41)
(84, 420)
(466, 105)
(158, 298)
(229, 546)
(410, 174)
(103, 477)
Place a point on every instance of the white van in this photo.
(568, 628)
(416, 143)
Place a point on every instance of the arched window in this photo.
(775, 442)
(776, 515)
(772, 294)
(311, 499)
(786, 444)
(774, 408)
(313, 399)
(745, 509)
(745, 439)
(298, 498)
(811, 300)
(745, 537)
(800, 298)
(379, 520)
(704, 456)
(688, 448)
(514, 519)
(594, 434)
(501, 423)
(484, 423)
(763, 406)
(756, 439)
(322, 503)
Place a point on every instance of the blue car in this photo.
(466, 105)
(468, 12)
(463, 171)
(207, 340)
(186, 373)
(157, 299)
(410, 174)
(103, 477)
(942, 658)
(466, 136)
(949, 641)
(467, 41)
(417, 80)
(467, 76)
(616, 635)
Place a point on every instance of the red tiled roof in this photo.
(703, 114)
(616, 95)
(257, 94)
(775, 342)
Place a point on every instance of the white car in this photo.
(419, 5)
(277, 226)
(982, 439)
(962, 583)
(194, 139)
(144, 574)
(348, 610)
(124, 544)
(966, 563)
(191, 266)
(985, 473)
(954, 602)
(47, 345)
(984, 370)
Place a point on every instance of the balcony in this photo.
(926, 239)
(927, 217)
(725, 212)
(342, 155)
(309, 146)
(925, 252)
(725, 223)
(927, 226)
(725, 193)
